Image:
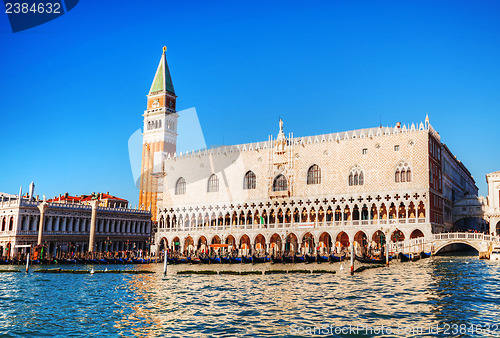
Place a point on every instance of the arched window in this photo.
(403, 173)
(180, 186)
(159, 124)
(213, 184)
(280, 183)
(314, 175)
(356, 176)
(249, 181)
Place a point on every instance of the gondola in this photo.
(323, 259)
(299, 259)
(257, 260)
(247, 259)
(235, 260)
(335, 258)
(310, 258)
(182, 260)
(404, 257)
(288, 259)
(415, 257)
(195, 260)
(275, 260)
(424, 254)
(214, 260)
(225, 260)
(371, 260)
(204, 260)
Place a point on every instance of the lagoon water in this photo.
(445, 296)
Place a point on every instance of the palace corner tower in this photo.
(159, 133)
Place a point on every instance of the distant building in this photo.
(67, 222)
(105, 200)
(493, 213)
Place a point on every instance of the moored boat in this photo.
(336, 258)
(195, 260)
(288, 259)
(214, 260)
(323, 259)
(235, 260)
(275, 260)
(257, 259)
(310, 258)
(247, 259)
(404, 257)
(371, 260)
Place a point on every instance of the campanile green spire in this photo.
(162, 80)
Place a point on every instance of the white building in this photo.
(296, 192)
(493, 213)
(66, 227)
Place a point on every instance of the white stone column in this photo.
(42, 207)
(93, 225)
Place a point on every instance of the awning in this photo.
(219, 245)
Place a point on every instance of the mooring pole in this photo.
(352, 258)
(387, 252)
(165, 263)
(27, 262)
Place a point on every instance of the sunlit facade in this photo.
(306, 193)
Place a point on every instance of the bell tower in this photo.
(159, 132)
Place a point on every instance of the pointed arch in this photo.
(180, 186)
(314, 175)
(280, 183)
(249, 181)
(213, 183)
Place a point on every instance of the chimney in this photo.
(398, 125)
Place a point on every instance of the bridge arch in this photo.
(441, 246)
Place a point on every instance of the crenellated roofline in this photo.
(332, 137)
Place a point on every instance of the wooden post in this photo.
(352, 258)
(27, 262)
(165, 262)
(387, 251)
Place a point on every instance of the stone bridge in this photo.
(481, 242)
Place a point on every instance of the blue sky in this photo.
(73, 90)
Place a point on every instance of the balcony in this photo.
(326, 225)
